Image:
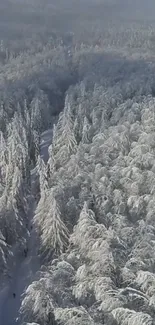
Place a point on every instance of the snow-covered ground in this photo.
(24, 268)
(44, 144)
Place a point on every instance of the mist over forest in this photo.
(77, 162)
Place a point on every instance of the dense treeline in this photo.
(95, 200)
(98, 195)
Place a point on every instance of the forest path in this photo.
(24, 268)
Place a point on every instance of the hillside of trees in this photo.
(86, 69)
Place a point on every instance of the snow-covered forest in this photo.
(77, 162)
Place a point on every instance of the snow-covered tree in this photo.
(64, 142)
(125, 316)
(85, 131)
(54, 233)
(73, 316)
(42, 170)
(38, 303)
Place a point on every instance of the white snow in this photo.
(44, 144)
(24, 268)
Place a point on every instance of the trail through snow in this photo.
(24, 268)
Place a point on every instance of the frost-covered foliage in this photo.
(48, 292)
(54, 234)
(73, 316)
(103, 193)
(92, 81)
(127, 317)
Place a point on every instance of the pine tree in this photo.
(3, 158)
(54, 233)
(85, 131)
(42, 175)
